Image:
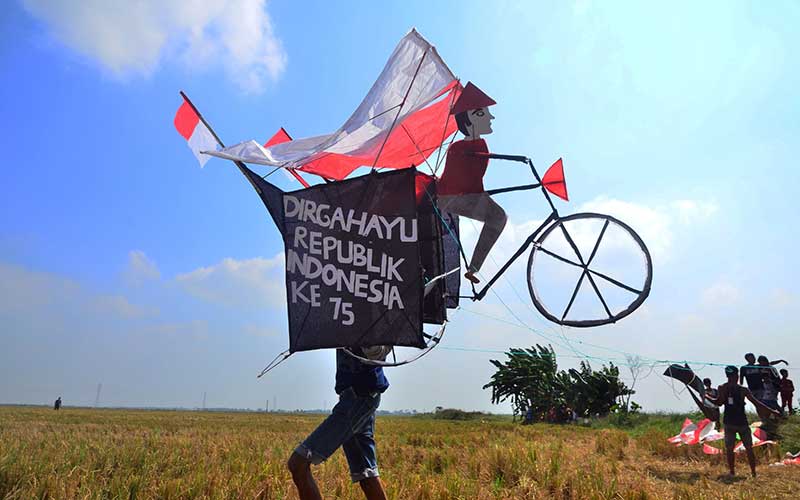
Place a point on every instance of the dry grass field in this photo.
(83, 453)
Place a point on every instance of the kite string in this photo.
(652, 362)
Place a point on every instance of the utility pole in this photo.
(204, 400)
(266, 410)
(97, 396)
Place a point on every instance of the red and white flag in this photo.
(192, 128)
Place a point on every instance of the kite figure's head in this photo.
(763, 360)
(750, 358)
(732, 373)
(475, 123)
(784, 373)
(471, 111)
(707, 382)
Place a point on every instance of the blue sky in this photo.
(123, 263)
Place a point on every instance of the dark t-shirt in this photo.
(363, 378)
(734, 405)
(753, 376)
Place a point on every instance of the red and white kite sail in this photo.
(403, 119)
(701, 432)
(705, 432)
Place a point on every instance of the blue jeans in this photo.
(350, 425)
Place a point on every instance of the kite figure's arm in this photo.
(495, 156)
(779, 361)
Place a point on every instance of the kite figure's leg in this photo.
(480, 207)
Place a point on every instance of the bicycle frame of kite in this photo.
(553, 221)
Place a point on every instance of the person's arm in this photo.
(722, 395)
(741, 376)
(757, 403)
(779, 361)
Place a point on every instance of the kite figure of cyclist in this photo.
(460, 190)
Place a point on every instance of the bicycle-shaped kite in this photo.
(371, 259)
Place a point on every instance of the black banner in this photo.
(353, 274)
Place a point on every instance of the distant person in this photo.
(528, 416)
(752, 373)
(734, 421)
(711, 393)
(770, 381)
(57, 404)
(787, 391)
(350, 425)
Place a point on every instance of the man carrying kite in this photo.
(351, 426)
(732, 396)
(460, 190)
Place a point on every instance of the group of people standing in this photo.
(766, 384)
(763, 387)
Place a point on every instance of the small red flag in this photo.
(197, 134)
(186, 120)
(554, 182)
(280, 136)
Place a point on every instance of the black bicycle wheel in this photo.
(588, 269)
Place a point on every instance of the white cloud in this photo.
(140, 269)
(43, 296)
(120, 306)
(133, 38)
(655, 224)
(783, 298)
(25, 291)
(689, 211)
(250, 283)
(721, 294)
(196, 329)
(259, 330)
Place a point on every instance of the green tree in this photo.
(530, 379)
(527, 378)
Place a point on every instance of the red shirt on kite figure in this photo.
(460, 190)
